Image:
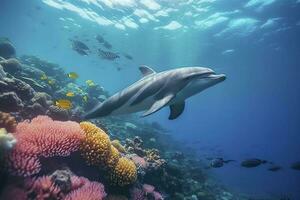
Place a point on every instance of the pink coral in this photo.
(148, 188)
(89, 191)
(42, 137)
(43, 188)
(140, 161)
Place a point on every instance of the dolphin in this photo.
(156, 90)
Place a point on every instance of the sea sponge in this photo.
(96, 147)
(118, 145)
(124, 173)
(8, 122)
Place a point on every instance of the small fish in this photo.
(107, 45)
(254, 162)
(274, 168)
(296, 166)
(73, 75)
(100, 39)
(51, 82)
(129, 57)
(70, 94)
(64, 103)
(44, 77)
(85, 98)
(90, 83)
(108, 55)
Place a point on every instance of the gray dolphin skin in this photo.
(157, 90)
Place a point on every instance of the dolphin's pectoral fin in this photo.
(176, 110)
(145, 70)
(159, 104)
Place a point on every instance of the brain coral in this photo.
(96, 147)
(124, 173)
(42, 137)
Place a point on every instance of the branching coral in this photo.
(8, 122)
(124, 173)
(42, 137)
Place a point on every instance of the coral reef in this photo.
(42, 137)
(60, 185)
(96, 148)
(41, 153)
(7, 50)
(124, 173)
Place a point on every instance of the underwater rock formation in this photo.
(7, 140)
(11, 65)
(7, 50)
(7, 121)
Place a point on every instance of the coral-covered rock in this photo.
(7, 50)
(10, 102)
(42, 137)
(8, 122)
(62, 179)
(58, 113)
(11, 65)
(2, 73)
(7, 140)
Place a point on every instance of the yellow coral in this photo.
(113, 158)
(118, 145)
(124, 173)
(96, 147)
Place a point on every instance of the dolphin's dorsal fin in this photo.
(176, 110)
(159, 104)
(145, 70)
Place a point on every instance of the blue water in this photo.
(256, 43)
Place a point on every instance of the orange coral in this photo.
(8, 122)
(124, 173)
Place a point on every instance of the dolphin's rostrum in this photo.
(157, 90)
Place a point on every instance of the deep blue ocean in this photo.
(254, 113)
